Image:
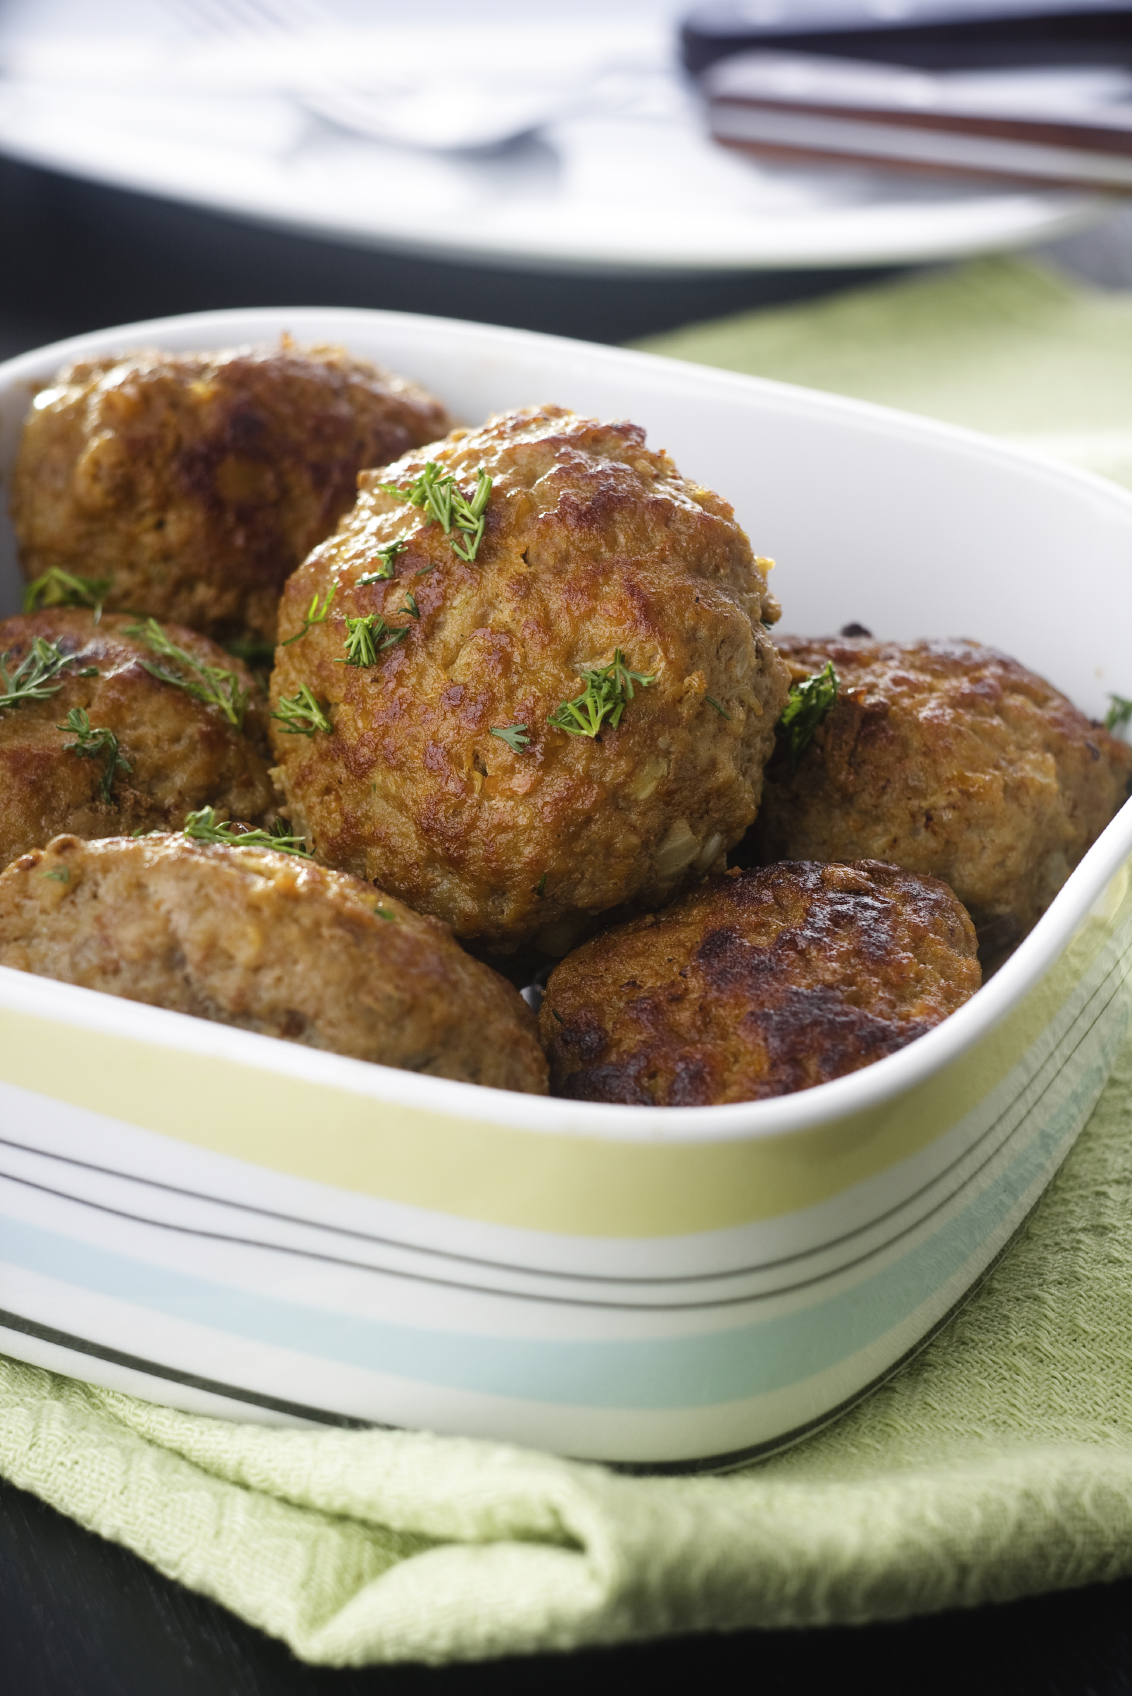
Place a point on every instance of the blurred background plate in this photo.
(548, 138)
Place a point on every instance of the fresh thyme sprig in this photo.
(436, 493)
(31, 680)
(1119, 714)
(515, 736)
(59, 588)
(386, 553)
(202, 827)
(369, 636)
(315, 615)
(300, 714)
(208, 683)
(608, 691)
(90, 743)
(806, 706)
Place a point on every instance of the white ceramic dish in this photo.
(234, 1224)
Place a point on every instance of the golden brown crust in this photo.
(592, 543)
(183, 754)
(197, 482)
(271, 943)
(950, 759)
(757, 984)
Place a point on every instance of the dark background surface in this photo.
(81, 1617)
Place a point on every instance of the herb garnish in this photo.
(806, 706)
(90, 743)
(1119, 714)
(720, 709)
(368, 636)
(202, 827)
(409, 605)
(390, 918)
(436, 492)
(515, 736)
(61, 874)
(608, 691)
(59, 588)
(31, 680)
(301, 715)
(387, 552)
(208, 683)
(315, 615)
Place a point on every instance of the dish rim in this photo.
(858, 1092)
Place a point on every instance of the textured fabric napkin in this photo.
(997, 1463)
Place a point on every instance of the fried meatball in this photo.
(271, 943)
(181, 753)
(441, 777)
(758, 983)
(195, 483)
(950, 759)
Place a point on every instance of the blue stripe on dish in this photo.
(644, 1373)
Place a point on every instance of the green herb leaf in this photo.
(436, 493)
(91, 744)
(315, 615)
(60, 875)
(301, 715)
(1119, 714)
(540, 888)
(369, 636)
(202, 827)
(390, 918)
(721, 710)
(59, 588)
(386, 553)
(31, 680)
(211, 684)
(608, 691)
(409, 605)
(806, 707)
(515, 736)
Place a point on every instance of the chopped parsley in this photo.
(806, 706)
(437, 494)
(202, 826)
(211, 684)
(59, 588)
(31, 680)
(369, 636)
(315, 615)
(300, 714)
(92, 743)
(608, 691)
(515, 736)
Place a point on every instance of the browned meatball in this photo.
(194, 483)
(950, 759)
(181, 753)
(440, 776)
(756, 984)
(269, 942)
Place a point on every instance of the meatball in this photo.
(950, 759)
(193, 484)
(604, 579)
(150, 753)
(758, 983)
(271, 943)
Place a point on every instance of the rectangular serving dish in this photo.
(232, 1224)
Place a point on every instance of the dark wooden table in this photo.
(81, 1617)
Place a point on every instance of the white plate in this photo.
(237, 1224)
(643, 191)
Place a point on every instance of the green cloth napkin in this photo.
(996, 1464)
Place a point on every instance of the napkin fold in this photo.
(997, 1463)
